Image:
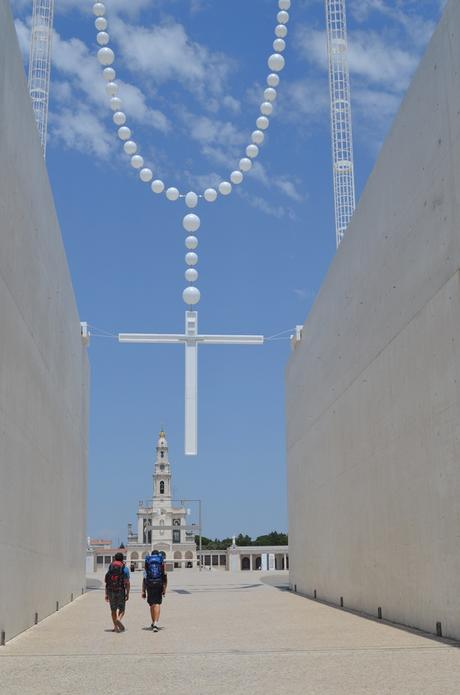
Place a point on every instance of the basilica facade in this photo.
(161, 522)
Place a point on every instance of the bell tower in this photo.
(161, 522)
(162, 474)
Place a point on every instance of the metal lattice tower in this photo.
(342, 137)
(40, 63)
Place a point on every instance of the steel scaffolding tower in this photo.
(342, 138)
(40, 63)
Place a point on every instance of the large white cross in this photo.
(191, 340)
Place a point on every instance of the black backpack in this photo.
(115, 577)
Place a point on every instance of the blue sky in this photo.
(192, 74)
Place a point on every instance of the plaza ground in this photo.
(225, 633)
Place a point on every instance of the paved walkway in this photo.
(228, 634)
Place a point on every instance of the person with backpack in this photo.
(117, 586)
(154, 585)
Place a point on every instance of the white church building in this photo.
(161, 524)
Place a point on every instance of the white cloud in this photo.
(23, 34)
(133, 7)
(269, 208)
(407, 16)
(381, 66)
(81, 130)
(174, 56)
(371, 56)
(78, 103)
(304, 101)
(288, 188)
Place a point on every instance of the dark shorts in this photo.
(117, 600)
(154, 595)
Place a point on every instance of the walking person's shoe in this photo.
(155, 627)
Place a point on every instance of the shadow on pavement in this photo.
(281, 583)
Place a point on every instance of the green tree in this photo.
(273, 538)
(205, 542)
(243, 539)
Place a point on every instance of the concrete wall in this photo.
(373, 402)
(43, 374)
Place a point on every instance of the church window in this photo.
(162, 487)
(176, 536)
(176, 522)
(162, 454)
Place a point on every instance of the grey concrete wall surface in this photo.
(372, 390)
(43, 374)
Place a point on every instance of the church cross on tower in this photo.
(191, 339)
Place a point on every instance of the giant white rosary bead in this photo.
(191, 222)
(191, 275)
(225, 188)
(172, 194)
(252, 151)
(279, 45)
(210, 195)
(191, 242)
(284, 4)
(191, 199)
(111, 88)
(130, 147)
(108, 74)
(282, 17)
(157, 186)
(119, 118)
(99, 9)
(101, 24)
(245, 164)
(257, 137)
(137, 162)
(276, 62)
(273, 80)
(102, 38)
(281, 31)
(191, 295)
(191, 258)
(124, 133)
(270, 94)
(236, 177)
(266, 108)
(115, 103)
(105, 56)
(262, 123)
(146, 175)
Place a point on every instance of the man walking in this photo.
(117, 587)
(154, 585)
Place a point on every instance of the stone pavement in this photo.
(228, 634)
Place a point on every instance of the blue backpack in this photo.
(154, 570)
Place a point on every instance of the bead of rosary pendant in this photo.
(191, 199)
